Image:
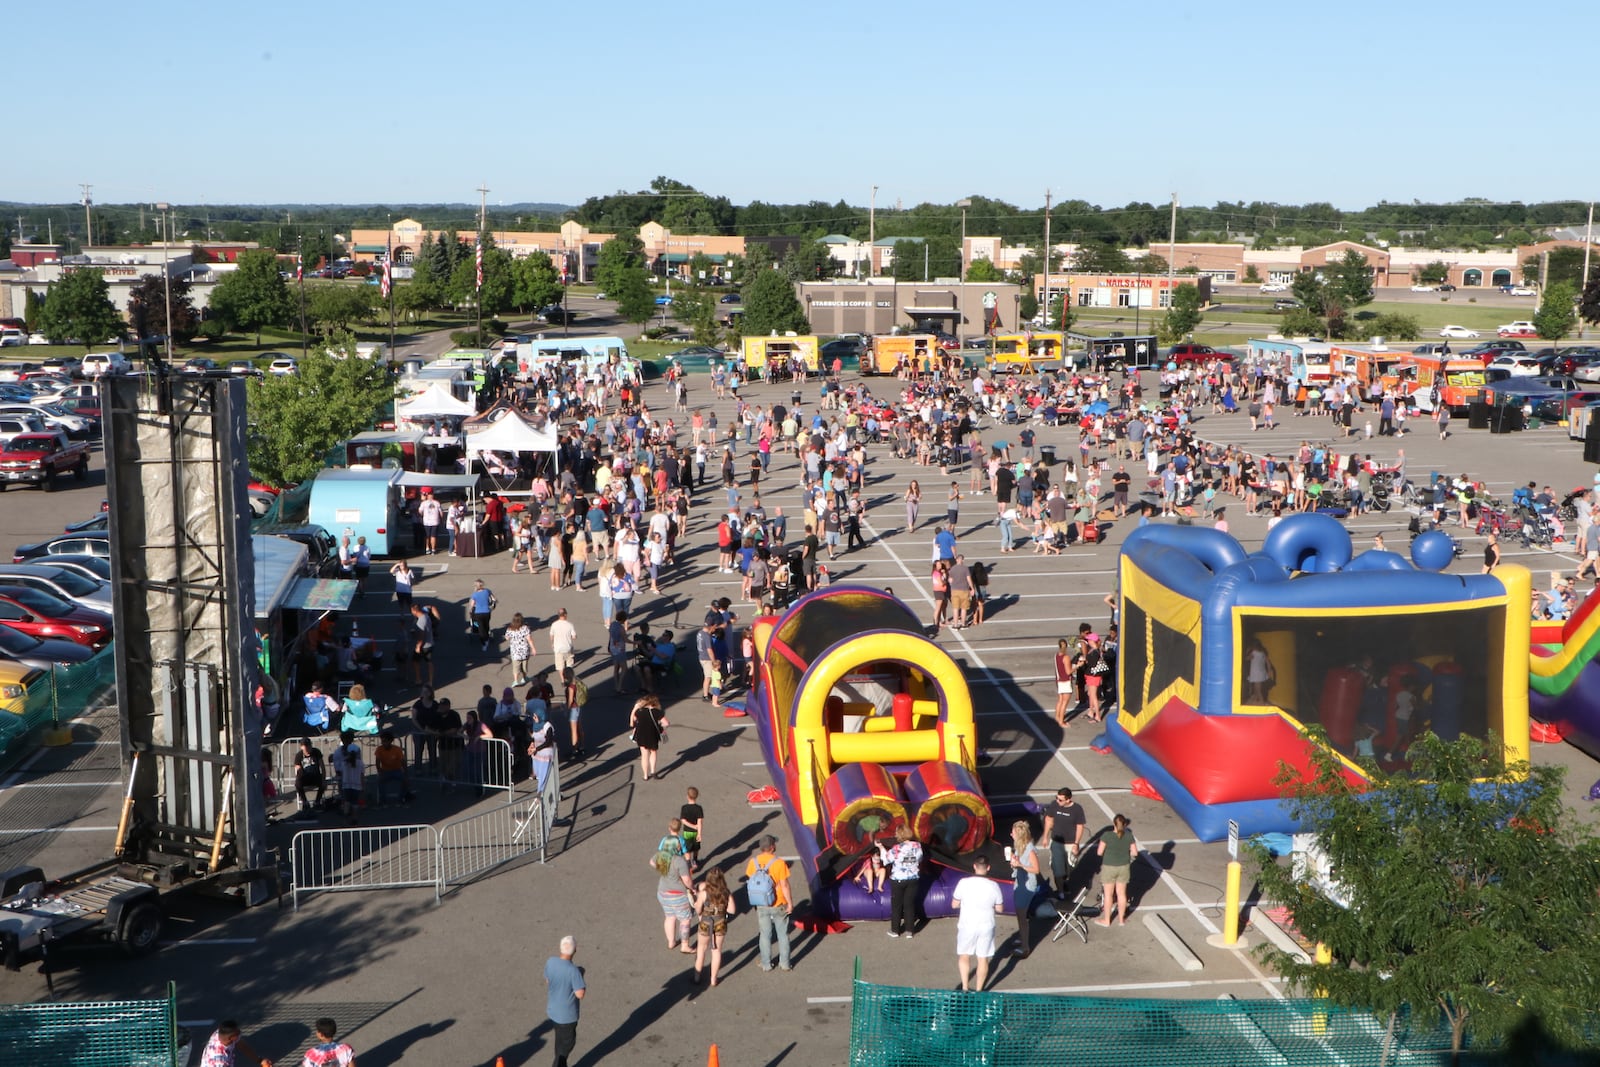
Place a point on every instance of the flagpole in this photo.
(388, 285)
(300, 277)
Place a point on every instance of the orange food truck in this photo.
(1457, 380)
(889, 348)
(1376, 370)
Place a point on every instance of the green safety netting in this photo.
(118, 1033)
(63, 693)
(893, 1026)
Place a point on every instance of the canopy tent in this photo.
(510, 433)
(432, 402)
(422, 481)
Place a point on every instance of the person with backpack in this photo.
(767, 885)
(576, 695)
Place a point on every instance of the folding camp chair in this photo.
(1072, 919)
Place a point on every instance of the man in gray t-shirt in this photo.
(565, 981)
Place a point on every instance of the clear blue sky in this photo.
(1109, 102)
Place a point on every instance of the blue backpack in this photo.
(317, 712)
(762, 889)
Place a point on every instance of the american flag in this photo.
(480, 261)
(387, 283)
(299, 267)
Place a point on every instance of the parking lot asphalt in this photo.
(460, 982)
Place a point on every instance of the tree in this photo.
(1468, 895)
(623, 252)
(535, 282)
(496, 294)
(697, 309)
(1151, 263)
(1099, 257)
(631, 290)
(756, 258)
(1027, 307)
(1588, 303)
(984, 270)
(1302, 322)
(811, 262)
(1251, 275)
(1556, 316)
(700, 267)
(771, 306)
(427, 287)
(33, 312)
(1394, 327)
(1561, 264)
(1351, 279)
(1434, 273)
(907, 264)
(1183, 315)
(253, 295)
(296, 418)
(1309, 288)
(336, 306)
(147, 308)
(78, 307)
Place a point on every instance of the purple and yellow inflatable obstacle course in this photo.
(1563, 677)
(867, 726)
(1371, 647)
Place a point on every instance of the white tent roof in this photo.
(435, 400)
(512, 433)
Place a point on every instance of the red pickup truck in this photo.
(37, 458)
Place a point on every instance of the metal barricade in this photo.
(549, 804)
(285, 762)
(475, 844)
(364, 857)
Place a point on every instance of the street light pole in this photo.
(166, 269)
(963, 205)
(872, 233)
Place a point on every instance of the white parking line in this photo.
(61, 785)
(60, 830)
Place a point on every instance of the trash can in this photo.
(467, 543)
(1478, 416)
(1047, 454)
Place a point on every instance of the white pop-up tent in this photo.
(511, 433)
(433, 402)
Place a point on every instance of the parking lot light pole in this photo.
(166, 269)
(963, 205)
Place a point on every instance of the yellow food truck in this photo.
(1027, 352)
(889, 349)
(757, 352)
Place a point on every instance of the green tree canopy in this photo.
(771, 306)
(812, 261)
(907, 263)
(1100, 257)
(1302, 322)
(1556, 315)
(147, 308)
(1184, 313)
(1469, 895)
(622, 253)
(535, 282)
(78, 307)
(1434, 273)
(1309, 288)
(337, 306)
(630, 288)
(296, 418)
(254, 295)
(1351, 279)
(697, 309)
(984, 270)
(1563, 263)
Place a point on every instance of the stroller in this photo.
(788, 582)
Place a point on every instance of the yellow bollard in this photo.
(1230, 917)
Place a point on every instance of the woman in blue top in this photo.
(1024, 860)
(904, 861)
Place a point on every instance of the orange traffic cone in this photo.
(712, 1060)
(499, 1061)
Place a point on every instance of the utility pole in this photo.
(166, 271)
(872, 233)
(963, 205)
(88, 221)
(1589, 237)
(483, 206)
(1046, 295)
(1172, 244)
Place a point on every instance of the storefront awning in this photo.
(321, 594)
(684, 257)
(931, 311)
(372, 249)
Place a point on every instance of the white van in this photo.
(97, 363)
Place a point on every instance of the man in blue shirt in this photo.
(482, 603)
(565, 981)
(945, 542)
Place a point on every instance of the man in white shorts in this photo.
(978, 900)
(563, 642)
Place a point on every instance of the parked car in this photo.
(41, 458)
(91, 543)
(1446, 287)
(1520, 328)
(729, 298)
(1519, 290)
(1423, 287)
(1285, 303)
(1487, 350)
(664, 300)
(40, 655)
(1193, 353)
(43, 615)
(97, 363)
(1517, 364)
(95, 568)
(198, 365)
(1457, 332)
(284, 365)
(1274, 287)
(15, 678)
(845, 349)
(100, 520)
(65, 584)
(243, 367)
(1569, 360)
(73, 425)
(12, 338)
(16, 425)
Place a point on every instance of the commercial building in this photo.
(882, 305)
(1148, 291)
(32, 268)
